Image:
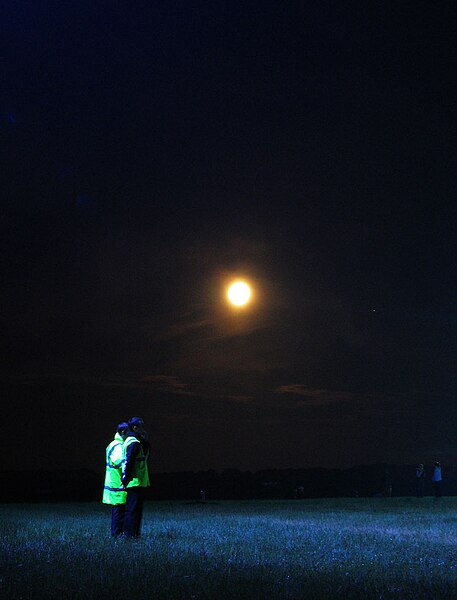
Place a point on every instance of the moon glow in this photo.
(239, 293)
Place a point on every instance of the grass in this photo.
(332, 548)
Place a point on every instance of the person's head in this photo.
(123, 429)
(136, 424)
(437, 464)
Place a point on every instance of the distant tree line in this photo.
(363, 481)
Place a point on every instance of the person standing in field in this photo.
(113, 491)
(387, 484)
(420, 480)
(135, 476)
(437, 478)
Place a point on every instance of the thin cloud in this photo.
(167, 383)
(241, 399)
(215, 327)
(163, 383)
(189, 324)
(170, 384)
(320, 397)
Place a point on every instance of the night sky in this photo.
(151, 152)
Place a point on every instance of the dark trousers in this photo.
(437, 488)
(117, 519)
(420, 485)
(133, 511)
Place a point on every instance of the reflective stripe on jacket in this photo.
(113, 492)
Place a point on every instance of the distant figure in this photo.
(135, 476)
(420, 480)
(299, 492)
(437, 478)
(114, 492)
(202, 495)
(387, 484)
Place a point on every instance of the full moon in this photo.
(239, 293)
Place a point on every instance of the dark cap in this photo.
(122, 426)
(135, 421)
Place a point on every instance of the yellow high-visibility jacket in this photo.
(113, 492)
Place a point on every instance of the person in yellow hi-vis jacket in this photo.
(135, 476)
(114, 492)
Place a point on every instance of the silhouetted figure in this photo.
(135, 476)
(420, 480)
(437, 478)
(387, 484)
(202, 496)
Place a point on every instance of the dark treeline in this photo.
(362, 481)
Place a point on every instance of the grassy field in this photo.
(333, 548)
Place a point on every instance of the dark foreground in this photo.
(358, 548)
